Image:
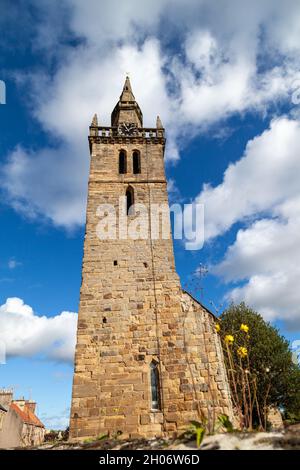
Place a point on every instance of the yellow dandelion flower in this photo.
(244, 328)
(242, 352)
(229, 339)
(217, 327)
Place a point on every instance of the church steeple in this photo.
(132, 310)
(127, 94)
(127, 109)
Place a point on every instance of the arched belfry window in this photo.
(155, 386)
(129, 200)
(122, 162)
(136, 162)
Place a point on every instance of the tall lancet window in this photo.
(136, 161)
(130, 200)
(122, 162)
(155, 388)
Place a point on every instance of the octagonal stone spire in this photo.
(127, 109)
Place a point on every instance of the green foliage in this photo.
(292, 399)
(198, 430)
(269, 355)
(224, 422)
(89, 440)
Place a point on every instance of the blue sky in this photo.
(226, 88)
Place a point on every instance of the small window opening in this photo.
(129, 200)
(155, 393)
(146, 265)
(136, 162)
(104, 320)
(122, 162)
(115, 263)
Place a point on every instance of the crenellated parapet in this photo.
(103, 134)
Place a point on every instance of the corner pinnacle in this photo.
(159, 123)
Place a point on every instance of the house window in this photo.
(154, 379)
(129, 200)
(136, 161)
(122, 162)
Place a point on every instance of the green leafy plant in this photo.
(89, 440)
(260, 368)
(224, 422)
(198, 430)
(102, 437)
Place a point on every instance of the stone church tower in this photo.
(148, 358)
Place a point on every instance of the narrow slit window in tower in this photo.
(136, 162)
(122, 162)
(130, 200)
(155, 395)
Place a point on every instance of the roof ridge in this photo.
(200, 303)
(27, 416)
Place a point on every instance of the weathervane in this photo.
(194, 284)
(202, 271)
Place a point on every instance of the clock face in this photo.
(127, 128)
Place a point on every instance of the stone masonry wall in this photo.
(133, 311)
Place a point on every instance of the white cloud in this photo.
(262, 190)
(227, 64)
(266, 175)
(86, 84)
(267, 257)
(26, 334)
(13, 263)
(59, 421)
(173, 192)
(51, 183)
(115, 20)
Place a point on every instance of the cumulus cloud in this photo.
(262, 191)
(266, 175)
(26, 334)
(225, 66)
(272, 272)
(266, 256)
(52, 182)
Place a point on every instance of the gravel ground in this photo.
(289, 439)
